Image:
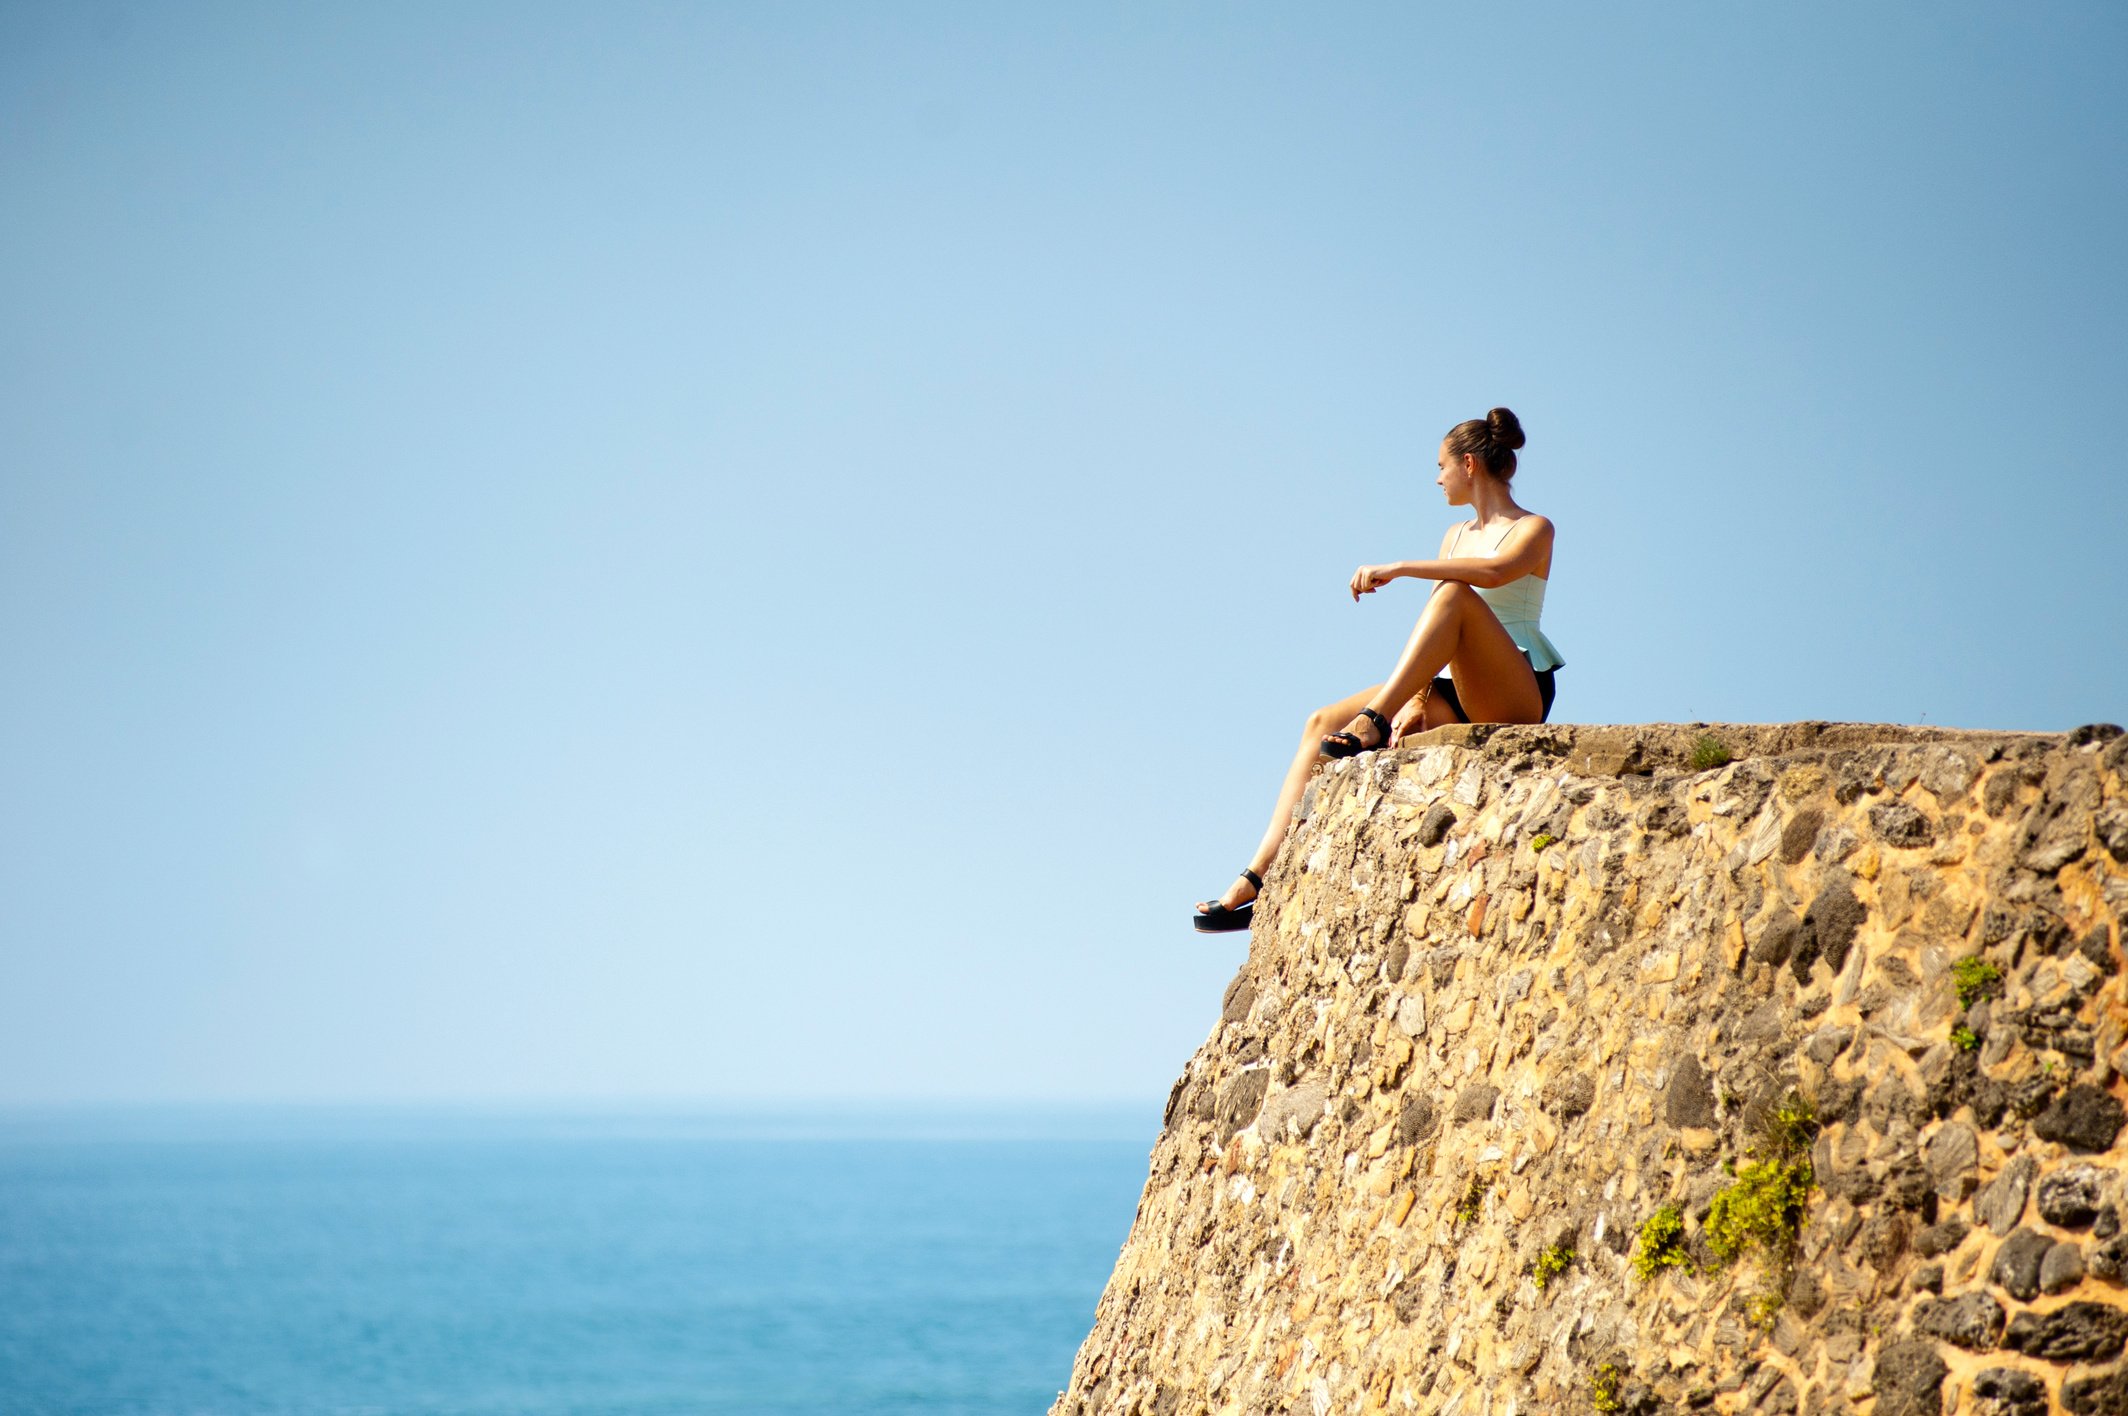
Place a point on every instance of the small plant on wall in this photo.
(1661, 1243)
(1709, 752)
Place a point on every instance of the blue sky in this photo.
(686, 553)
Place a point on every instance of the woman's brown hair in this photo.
(1493, 438)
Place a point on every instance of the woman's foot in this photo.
(1240, 893)
(1230, 911)
(1367, 731)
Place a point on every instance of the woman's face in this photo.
(1455, 474)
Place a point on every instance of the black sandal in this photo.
(1349, 744)
(1219, 919)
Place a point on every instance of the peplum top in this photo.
(1518, 605)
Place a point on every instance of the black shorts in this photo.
(1547, 689)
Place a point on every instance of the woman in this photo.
(1480, 624)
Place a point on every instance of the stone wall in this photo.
(1514, 992)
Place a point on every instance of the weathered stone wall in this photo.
(1511, 991)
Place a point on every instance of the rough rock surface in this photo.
(1511, 991)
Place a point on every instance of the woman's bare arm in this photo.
(1522, 553)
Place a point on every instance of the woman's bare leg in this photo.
(1305, 760)
(1493, 679)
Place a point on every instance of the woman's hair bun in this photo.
(1493, 439)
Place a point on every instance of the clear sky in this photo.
(688, 552)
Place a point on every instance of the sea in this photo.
(518, 1262)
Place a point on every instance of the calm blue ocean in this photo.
(194, 1263)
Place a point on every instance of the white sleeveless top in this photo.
(1517, 605)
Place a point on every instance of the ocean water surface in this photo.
(236, 1263)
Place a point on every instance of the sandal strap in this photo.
(1253, 878)
(1379, 721)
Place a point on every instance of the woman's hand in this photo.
(1409, 720)
(1370, 578)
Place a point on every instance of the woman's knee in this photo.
(1451, 593)
(1321, 721)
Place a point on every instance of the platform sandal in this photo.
(1221, 919)
(1349, 744)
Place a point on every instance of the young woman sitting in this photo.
(1479, 627)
